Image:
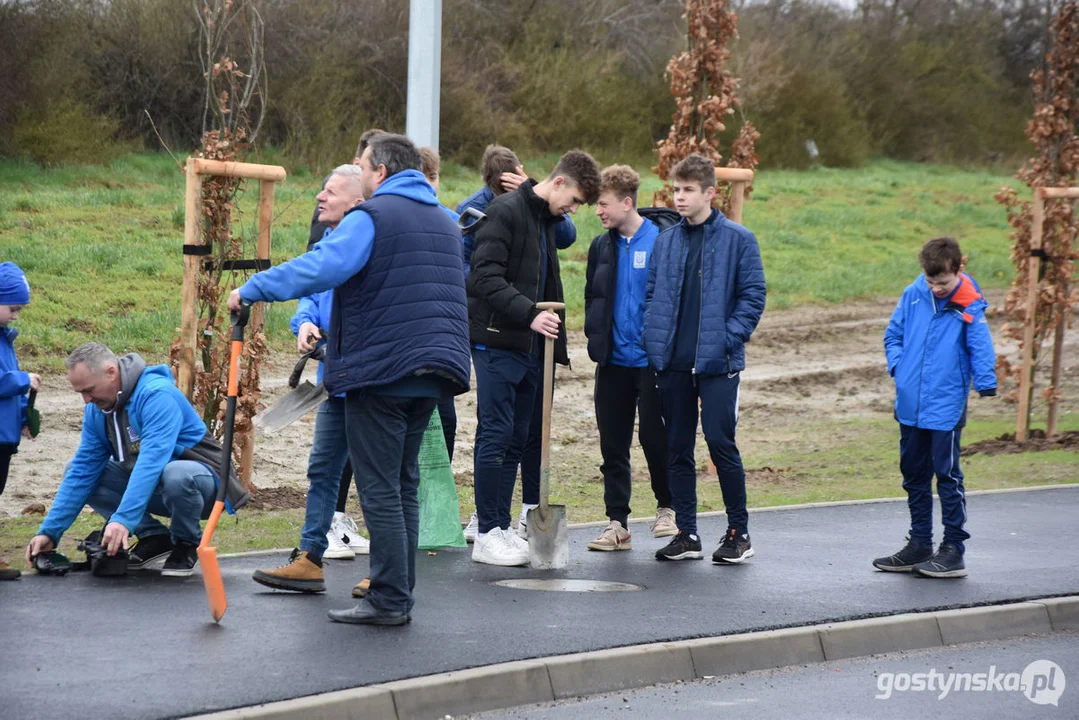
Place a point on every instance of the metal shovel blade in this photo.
(293, 406)
(548, 538)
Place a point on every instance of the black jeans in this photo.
(447, 414)
(384, 436)
(620, 394)
(681, 393)
(6, 451)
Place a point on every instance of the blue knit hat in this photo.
(14, 290)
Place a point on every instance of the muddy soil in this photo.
(804, 365)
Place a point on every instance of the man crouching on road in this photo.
(398, 342)
(143, 450)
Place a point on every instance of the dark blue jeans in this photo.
(506, 384)
(384, 436)
(531, 456)
(680, 394)
(329, 454)
(921, 454)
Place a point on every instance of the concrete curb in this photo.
(548, 679)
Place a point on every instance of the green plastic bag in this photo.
(440, 513)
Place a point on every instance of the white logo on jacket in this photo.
(640, 259)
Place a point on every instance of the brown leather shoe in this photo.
(361, 589)
(300, 574)
(7, 572)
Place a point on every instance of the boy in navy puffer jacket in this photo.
(936, 341)
(14, 383)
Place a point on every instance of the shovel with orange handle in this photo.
(211, 572)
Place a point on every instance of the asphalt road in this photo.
(859, 688)
(144, 646)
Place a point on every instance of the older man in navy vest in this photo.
(398, 341)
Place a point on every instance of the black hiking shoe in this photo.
(683, 546)
(149, 550)
(734, 549)
(947, 562)
(904, 561)
(181, 562)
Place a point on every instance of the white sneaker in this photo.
(522, 523)
(516, 540)
(472, 529)
(351, 537)
(337, 548)
(496, 548)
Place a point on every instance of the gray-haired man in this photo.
(143, 450)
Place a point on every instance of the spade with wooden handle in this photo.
(548, 529)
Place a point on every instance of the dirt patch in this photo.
(1037, 442)
(277, 498)
(771, 476)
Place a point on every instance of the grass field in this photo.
(101, 245)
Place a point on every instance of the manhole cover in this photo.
(562, 585)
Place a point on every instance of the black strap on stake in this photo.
(257, 264)
(198, 249)
(1039, 253)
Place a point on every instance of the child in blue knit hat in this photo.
(14, 383)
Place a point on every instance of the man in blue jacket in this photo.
(502, 173)
(614, 289)
(323, 534)
(398, 341)
(143, 450)
(705, 296)
(936, 341)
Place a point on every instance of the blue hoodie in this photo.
(564, 236)
(14, 385)
(163, 424)
(932, 354)
(627, 329)
(337, 257)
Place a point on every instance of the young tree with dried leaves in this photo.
(231, 38)
(706, 93)
(1054, 133)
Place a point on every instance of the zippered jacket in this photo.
(732, 296)
(614, 290)
(933, 355)
(14, 389)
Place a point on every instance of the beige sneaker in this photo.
(614, 537)
(664, 526)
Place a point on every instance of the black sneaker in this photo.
(734, 549)
(683, 546)
(904, 561)
(149, 550)
(947, 562)
(181, 562)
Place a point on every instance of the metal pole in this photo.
(424, 71)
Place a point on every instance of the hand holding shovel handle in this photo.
(211, 572)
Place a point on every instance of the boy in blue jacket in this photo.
(936, 341)
(705, 296)
(14, 383)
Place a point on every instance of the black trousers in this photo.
(6, 451)
(620, 394)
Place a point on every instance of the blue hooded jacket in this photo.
(163, 424)
(430, 277)
(14, 386)
(565, 233)
(933, 354)
(732, 296)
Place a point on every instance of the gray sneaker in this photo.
(664, 526)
